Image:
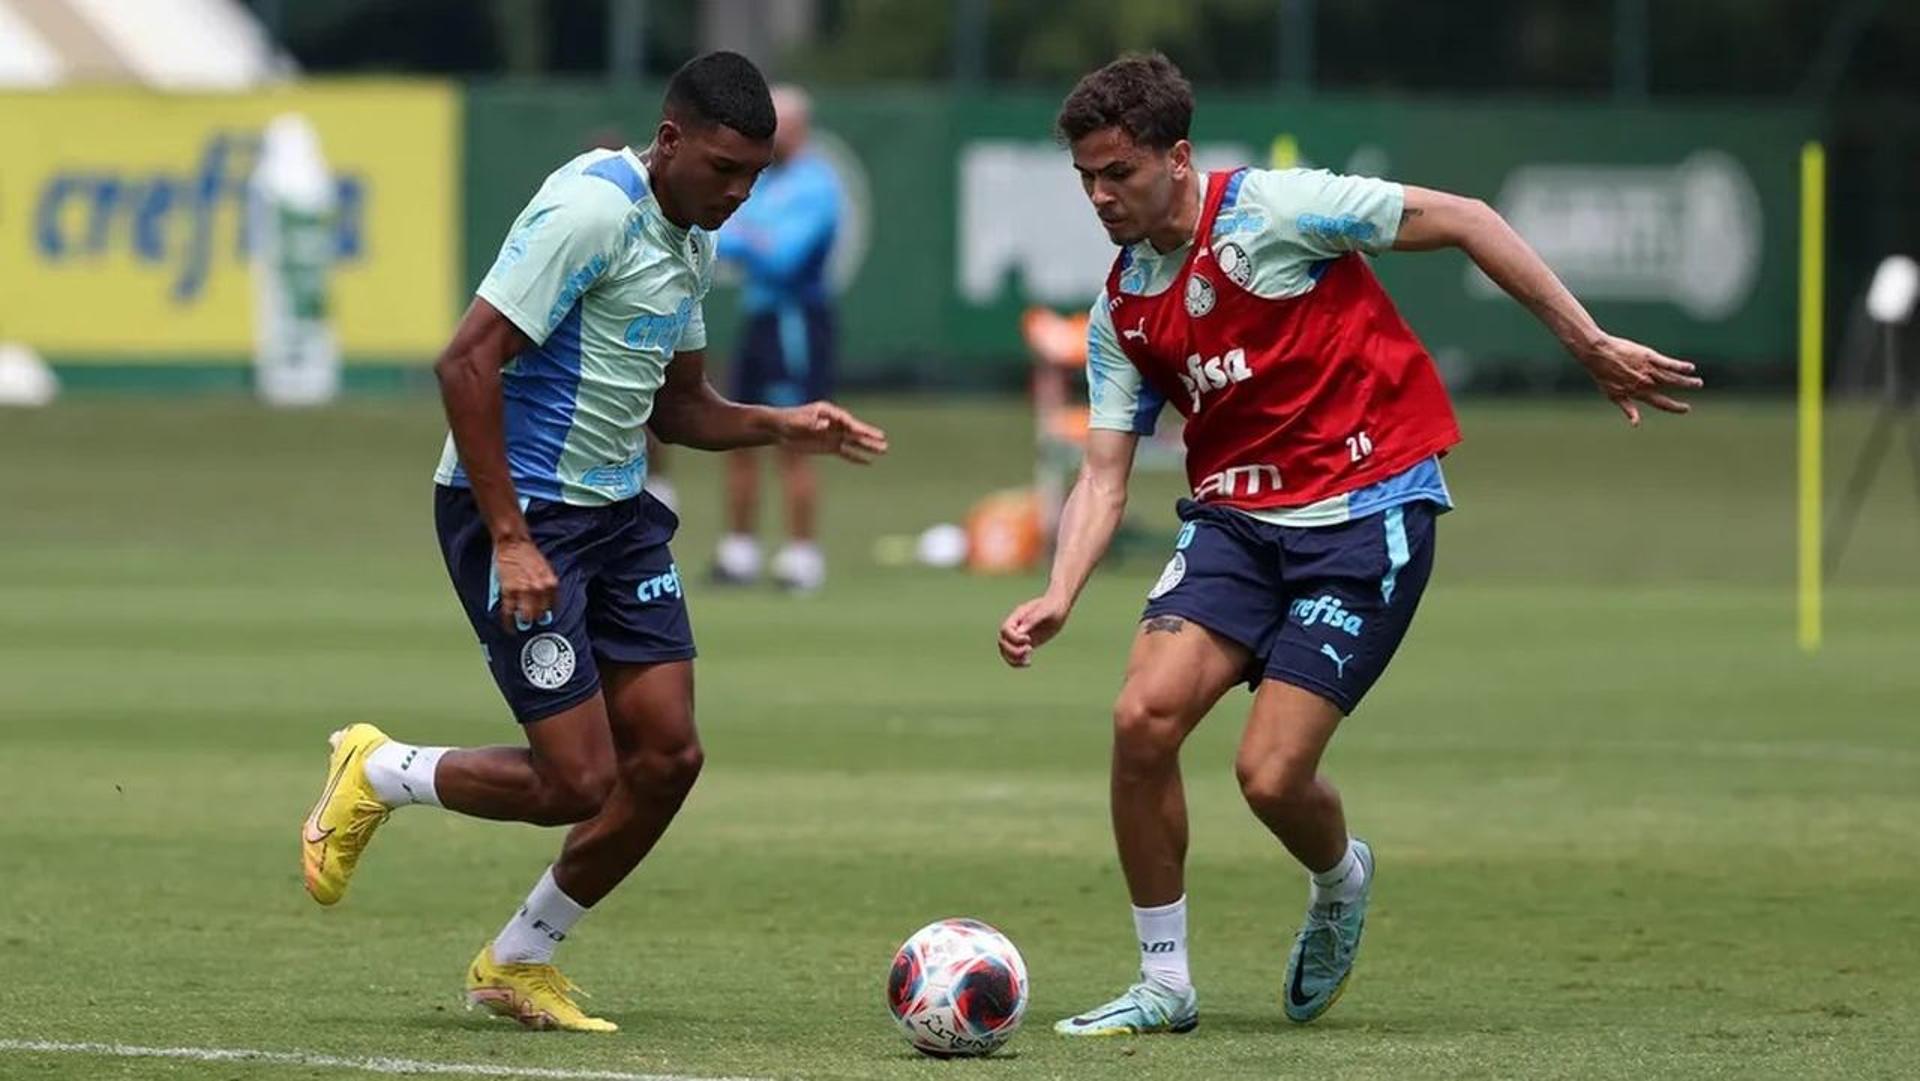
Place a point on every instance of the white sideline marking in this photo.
(380, 1064)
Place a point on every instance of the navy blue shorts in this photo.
(620, 599)
(1321, 608)
(786, 357)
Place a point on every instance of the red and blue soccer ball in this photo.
(958, 989)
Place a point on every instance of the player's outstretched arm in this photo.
(1625, 371)
(1087, 524)
(688, 411)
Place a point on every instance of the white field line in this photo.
(377, 1064)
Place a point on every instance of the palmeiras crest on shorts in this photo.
(1235, 263)
(1175, 571)
(547, 661)
(1199, 296)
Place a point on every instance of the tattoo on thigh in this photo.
(1166, 624)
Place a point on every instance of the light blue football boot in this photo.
(1323, 951)
(1145, 1008)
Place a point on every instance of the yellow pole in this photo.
(1284, 153)
(1813, 207)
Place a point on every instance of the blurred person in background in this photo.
(781, 241)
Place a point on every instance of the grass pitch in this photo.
(1624, 827)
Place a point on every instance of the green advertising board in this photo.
(1675, 224)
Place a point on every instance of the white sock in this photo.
(801, 564)
(401, 773)
(1342, 882)
(738, 554)
(541, 924)
(1163, 944)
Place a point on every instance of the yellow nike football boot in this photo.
(537, 996)
(334, 835)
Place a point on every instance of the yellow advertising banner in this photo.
(123, 218)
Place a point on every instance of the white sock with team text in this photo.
(401, 773)
(541, 924)
(1342, 882)
(1163, 945)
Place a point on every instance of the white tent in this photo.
(165, 44)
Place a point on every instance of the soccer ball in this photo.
(957, 989)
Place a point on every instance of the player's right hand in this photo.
(1031, 626)
(527, 585)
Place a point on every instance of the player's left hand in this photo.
(1629, 373)
(825, 428)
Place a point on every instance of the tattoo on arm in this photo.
(1166, 625)
(1410, 213)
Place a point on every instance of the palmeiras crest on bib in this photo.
(1235, 263)
(1199, 296)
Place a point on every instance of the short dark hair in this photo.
(1142, 94)
(721, 88)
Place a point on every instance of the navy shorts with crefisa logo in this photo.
(1322, 608)
(620, 598)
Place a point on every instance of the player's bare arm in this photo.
(469, 375)
(1087, 524)
(688, 411)
(1626, 371)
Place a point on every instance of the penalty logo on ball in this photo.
(1176, 570)
(547, 661)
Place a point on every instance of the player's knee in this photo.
(668, 772)
(1276, 784)
(1146, 732)
(576, 796)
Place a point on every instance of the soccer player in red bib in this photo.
(1315, 424)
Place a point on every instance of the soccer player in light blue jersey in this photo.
(1314, 423)
(586, 331)
(782, 242)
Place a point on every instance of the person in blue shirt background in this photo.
(781, 241)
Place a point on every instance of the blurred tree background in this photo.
(1755, 48)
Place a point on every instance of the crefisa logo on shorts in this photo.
(547, 661)
(1327, 610)
(659, 585)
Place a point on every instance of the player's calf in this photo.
(1301, 809)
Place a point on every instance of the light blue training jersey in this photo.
(608, 290)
